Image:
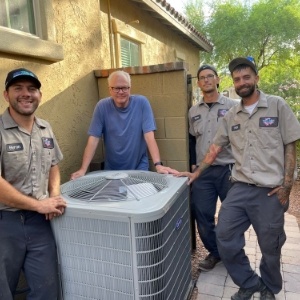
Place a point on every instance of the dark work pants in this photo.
(213, 183)
(27, 242)
(243, 206)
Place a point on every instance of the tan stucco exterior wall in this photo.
(69, 86)
(160, 43)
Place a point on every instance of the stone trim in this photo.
(160, 68)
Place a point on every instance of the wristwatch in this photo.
(159, 163)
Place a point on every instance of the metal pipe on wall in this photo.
(111, 37)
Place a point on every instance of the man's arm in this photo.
(154, 152)
(284, 191)
(192, 150)
(54, 181)
(54, 188)
(209, 158)
(13, 198)
(88, 155)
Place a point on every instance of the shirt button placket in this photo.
(34, 170)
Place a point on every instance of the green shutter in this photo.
(130, 53)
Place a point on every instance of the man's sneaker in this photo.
(246, 294)
(209, 262)
(266, 294)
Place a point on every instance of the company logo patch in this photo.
(268, 122)
(178, 224)
(48, 143)
(196, 118)
(236, 127)
(14, 147)
(222, 112)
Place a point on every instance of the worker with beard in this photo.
(262, 131)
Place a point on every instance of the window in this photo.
(128, 44)
(130, 53)
(18, 14)
(28, 28)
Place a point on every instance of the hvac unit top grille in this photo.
(115, 187)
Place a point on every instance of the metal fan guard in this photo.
(114, 186)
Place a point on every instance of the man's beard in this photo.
(246, 93)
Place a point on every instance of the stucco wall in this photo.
(161, 44)
(69, 86)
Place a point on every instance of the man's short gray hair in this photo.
(119, 73)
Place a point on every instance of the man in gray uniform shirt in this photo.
(30, 192)
(204, 119)
(263, 132)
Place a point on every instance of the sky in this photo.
(177, 4)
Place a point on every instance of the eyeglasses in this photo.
(208, 77)
(124, 89)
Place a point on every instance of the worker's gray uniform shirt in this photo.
(203, 124)
(26, 158)
(258, 140)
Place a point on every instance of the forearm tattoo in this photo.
(209, 158)
(203, 166)
(289, 164)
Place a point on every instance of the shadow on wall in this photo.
(69, 114)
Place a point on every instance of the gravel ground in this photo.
(201, 252)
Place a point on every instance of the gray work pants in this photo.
(27, 242)
(247, 205)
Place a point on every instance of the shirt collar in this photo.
(262, 102)
(220, 100)
(9, 122)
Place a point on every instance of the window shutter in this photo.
(130, 53)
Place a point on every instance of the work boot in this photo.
(209, 262)
(246, 294)
(266, 294)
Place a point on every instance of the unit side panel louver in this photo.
(97, 260)
(163, 254)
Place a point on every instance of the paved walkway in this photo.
(217, 284)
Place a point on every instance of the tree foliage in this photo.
(268, 30)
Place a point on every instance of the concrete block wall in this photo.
(165, 86)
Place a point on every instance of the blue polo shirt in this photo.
(123, 132)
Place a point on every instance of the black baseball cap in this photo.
(21, 73)
(241, 61)
(206, 67)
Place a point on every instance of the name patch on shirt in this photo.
(196, 118)
(14, 147)
(48, 143)
(222, 112)
(268, 122)
(236, 127)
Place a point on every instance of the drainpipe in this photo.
(111, 37)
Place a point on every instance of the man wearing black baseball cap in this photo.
(18, 74)
(30, 191)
